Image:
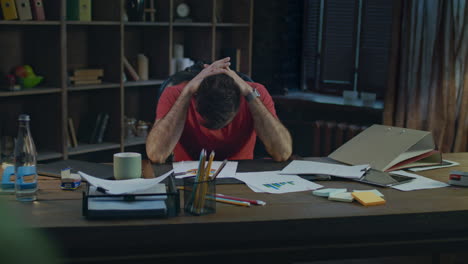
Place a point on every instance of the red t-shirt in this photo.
(235, 141)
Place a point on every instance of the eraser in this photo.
(368, 198)
(373, 190)
(326, 192)
(341, 197)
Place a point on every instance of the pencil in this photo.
(194, 196)
(256, 202)
(228, 201)
(219, 169)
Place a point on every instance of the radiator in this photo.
(320, 138)
(329, 135)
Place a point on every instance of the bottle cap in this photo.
(23, 117)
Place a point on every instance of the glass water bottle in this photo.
(25, 163)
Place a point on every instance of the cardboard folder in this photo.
(24, 9)
(37, 8)
(388, 148)
(9, 9)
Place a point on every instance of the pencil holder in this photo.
(198, 196)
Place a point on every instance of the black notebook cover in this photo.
(98, 170)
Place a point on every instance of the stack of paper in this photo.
(368, 198)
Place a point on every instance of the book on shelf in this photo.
(90, 127)
(9, 9)
(97, 124)
(131, 70)
(88, 72)
(71, 130)
(102, 128)
(82, 82)
(86, 76)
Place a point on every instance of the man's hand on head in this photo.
(245, 89)
(217, 67)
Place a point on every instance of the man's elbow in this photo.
(283, 155)
(158, 159)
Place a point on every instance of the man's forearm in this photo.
(273, 134)
(166, 132)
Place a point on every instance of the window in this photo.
(346, 45)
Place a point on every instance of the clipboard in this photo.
(388, 148)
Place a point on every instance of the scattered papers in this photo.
(418, 183)
(124, 186)
(184, 169)
(313, 167)
(273, 182)
(445, 164)
(327, 192)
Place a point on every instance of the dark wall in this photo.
(277, 37)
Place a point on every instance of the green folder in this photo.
(79, 10)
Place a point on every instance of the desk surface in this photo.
(291, 226)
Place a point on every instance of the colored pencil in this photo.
(256, 202)
(205, 181)
(228, 201)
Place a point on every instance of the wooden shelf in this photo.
(87, 148)
(228, 25)
(57, 107)
(135, 141)
(48, 155)
(29, 23)
(93, 87)
(146, 24)
(143, 83)
(192, 24)
(31, 91)
(93, 23)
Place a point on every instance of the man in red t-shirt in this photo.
(218, 111)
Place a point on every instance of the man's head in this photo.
(217, 100)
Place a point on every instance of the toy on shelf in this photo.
(26, 77)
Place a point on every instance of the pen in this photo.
(256, 202)
(228, 201)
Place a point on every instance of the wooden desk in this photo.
(291, 227)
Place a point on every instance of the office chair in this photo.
(188, 74)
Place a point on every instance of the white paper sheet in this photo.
(313, 167)
(273, 182)
(123, 186)
(190, 168)
(445, 164)
(418, 183)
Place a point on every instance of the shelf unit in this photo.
(56, 46)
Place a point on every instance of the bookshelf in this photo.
(56, 46)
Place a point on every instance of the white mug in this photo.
(127, 165)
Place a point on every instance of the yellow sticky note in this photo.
(368, 198)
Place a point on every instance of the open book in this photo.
(388, 148)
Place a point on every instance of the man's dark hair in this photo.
(217, 100)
